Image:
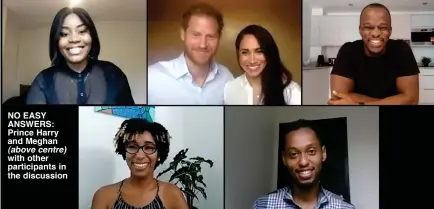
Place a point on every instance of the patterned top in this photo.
(155, 204)
(282, 199)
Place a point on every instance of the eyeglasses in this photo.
(147, 149)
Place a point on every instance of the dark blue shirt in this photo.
(100, 83)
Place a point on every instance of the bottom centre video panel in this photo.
(151, 157)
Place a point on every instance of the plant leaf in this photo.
(200, 180)
(165, 171)
(190, 193)
(182, 154)
(186, 173)
(202, 191)
(201, 160)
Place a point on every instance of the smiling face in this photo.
(201, 39)
(375, 30)
(141, 161)
(251, 57)
(75, 40)
(303, 156)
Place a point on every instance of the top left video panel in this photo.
(74, 52)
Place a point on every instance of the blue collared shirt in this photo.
(282, 199)
(170, 83)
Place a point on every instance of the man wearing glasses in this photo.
(375, 70)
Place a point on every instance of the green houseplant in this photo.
(186, 174)
(426, 61)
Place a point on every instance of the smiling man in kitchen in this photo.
(303, 155)
(375, 70)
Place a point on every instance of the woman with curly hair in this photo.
(144, 146)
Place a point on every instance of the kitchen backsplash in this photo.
(332, 52)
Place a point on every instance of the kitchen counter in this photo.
(316, 85)
(316, 68)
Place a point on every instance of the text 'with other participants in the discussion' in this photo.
(33, 147)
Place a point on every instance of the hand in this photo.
(343, 99)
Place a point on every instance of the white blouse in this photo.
(240, 92)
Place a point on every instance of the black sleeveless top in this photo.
(121, 204)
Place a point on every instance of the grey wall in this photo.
(248, 155)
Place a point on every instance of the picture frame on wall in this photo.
(143, 112)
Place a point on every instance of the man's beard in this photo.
(195, 62)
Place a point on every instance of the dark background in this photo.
(44, 193)
(335, 172)
(406, 156)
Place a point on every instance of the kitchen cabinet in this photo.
(401, 27)
(316, 86)
(422, 21)
(330, 30)
(349, 29)
(335, 30)
(315, 30)
(426, 86)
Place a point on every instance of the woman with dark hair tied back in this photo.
(144, 146)
(265, 81)
(76, 76)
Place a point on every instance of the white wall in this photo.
(248, 154)
(197, 128)
(4, 17)
(10, 54)
(253, 172)
(203, 134)
(307, 14)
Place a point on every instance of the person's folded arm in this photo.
(346, 85)
(408, 88)
(343, 74)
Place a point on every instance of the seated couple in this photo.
(194, 78)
